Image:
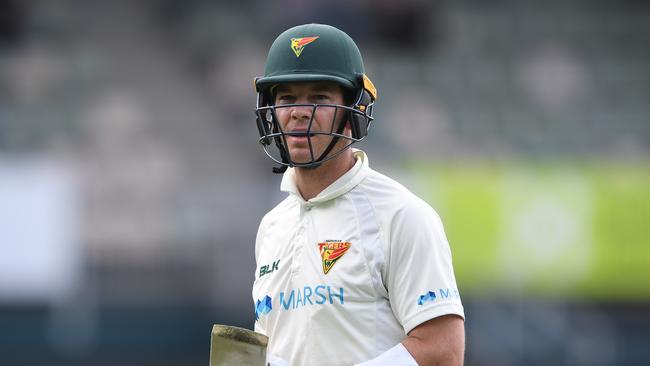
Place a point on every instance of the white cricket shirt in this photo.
(344, 276)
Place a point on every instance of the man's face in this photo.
(296, 119)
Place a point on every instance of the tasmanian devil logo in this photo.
(298, 44)
(331, 251)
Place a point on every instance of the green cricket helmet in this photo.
(312, 53)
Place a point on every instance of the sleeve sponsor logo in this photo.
(298, 44)
(331, 251)
(443, 293)
(429, 296)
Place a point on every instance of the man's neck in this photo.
(311, 182)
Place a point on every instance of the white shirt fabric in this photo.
(395, 274)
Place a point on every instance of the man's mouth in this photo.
(299, 134)
(296, 137)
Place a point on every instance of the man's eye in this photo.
(321, 97)
(285, 99)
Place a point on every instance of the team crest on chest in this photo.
(331, 251)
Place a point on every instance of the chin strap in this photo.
(284, 155)
(331, 145)
(279, 169)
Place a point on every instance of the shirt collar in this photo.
(340, 186)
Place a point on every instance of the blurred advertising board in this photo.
(565, 229)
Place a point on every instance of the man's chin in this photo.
(302, 156)
(300, 161)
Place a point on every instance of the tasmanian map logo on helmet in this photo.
(298, 44)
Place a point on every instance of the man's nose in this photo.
(301, 112)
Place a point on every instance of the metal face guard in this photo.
(273, 138)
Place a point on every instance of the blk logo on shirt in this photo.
(268, 268)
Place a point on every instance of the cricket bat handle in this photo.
(234, 346)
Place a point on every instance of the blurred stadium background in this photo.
(131, 183)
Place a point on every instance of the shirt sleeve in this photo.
(420, 276)
(258, 243)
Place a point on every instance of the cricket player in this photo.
(352, 268)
